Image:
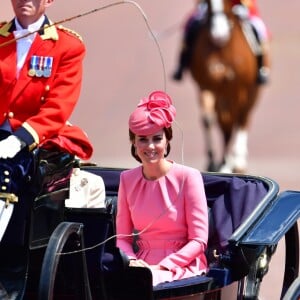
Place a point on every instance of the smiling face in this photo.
(29, 11)
(151, 148)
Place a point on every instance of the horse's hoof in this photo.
(225, 169)
(239, 170)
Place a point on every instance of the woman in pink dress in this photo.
(161, 204)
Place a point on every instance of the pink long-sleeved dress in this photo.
(170, 214)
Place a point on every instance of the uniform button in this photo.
(47, 88)
(10, 114)
(42, 99)
(4, 115)
(3, 188)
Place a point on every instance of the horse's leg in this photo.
(225, 113)
(240, 143)
(237, 156)
(227, 165)
(207, 105)
(240, 150)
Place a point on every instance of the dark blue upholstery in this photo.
(231, 200)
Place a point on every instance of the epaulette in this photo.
(2, 23)
(71, 31)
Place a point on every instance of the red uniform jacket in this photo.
(38, 108)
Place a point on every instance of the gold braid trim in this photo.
(10, 198)
(71, 31)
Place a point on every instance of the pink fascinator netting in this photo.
(152, 114)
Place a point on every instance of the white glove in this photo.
(10, 147)
(220, 30)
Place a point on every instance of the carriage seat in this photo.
(230, 200)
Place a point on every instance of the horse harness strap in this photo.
(251, 38)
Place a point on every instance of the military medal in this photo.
(40, 66)
(48, 61)
(33, 62)
(47, 73)
(39, 71)
(31, 72)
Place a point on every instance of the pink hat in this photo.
(152, 114)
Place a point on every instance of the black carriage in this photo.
(70, 253)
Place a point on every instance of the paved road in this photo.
(123, 64)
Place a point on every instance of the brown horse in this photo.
(224, 66)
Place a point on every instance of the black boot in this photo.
(177, 75)
(263, 73)
(189, 38)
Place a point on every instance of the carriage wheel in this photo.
(293, 293)
(66, 233)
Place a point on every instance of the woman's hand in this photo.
(142, 263)
(138, 263)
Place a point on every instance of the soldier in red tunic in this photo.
(40, 82)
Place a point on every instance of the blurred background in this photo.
(123, 64)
